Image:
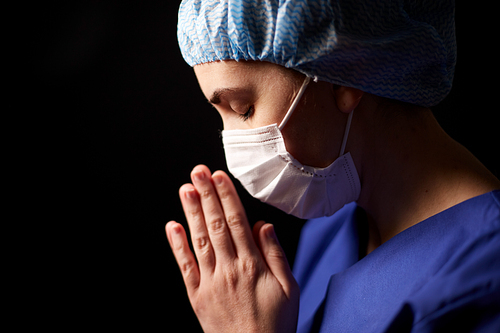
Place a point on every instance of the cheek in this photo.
(232, 121)
(268, 117)
(301, 144)
(310, 148)
(310, 135)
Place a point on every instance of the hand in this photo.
(241, 281)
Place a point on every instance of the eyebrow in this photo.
(215, 98)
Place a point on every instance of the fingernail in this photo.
(217, 180)
(271, 233)
(190, 194)
(176, 240)
(200, 175)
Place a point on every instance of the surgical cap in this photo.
(399, 49)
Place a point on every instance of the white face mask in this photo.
(259, 160)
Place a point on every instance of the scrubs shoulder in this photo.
(443, 274)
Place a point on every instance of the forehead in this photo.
(232, 66)
(237, 74)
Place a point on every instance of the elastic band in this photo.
(295, 102)
(346, 133)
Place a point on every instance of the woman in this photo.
(326, 116)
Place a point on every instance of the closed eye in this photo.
(247, 114)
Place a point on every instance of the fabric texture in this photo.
(399, 49)
(441, 275)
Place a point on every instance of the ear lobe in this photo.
(347, 98)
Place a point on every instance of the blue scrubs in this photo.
(443, 273)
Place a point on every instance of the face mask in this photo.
(259, 160)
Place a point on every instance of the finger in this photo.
(235, 215)
(199, 234)
(213, 213)
(183, 255)
(255, 233)
(275, 258)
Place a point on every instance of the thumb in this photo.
(275, 258)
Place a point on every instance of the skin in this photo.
(242, 281)
(409, 168)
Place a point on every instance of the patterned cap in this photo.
(399, 49)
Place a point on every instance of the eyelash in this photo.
(247, 114)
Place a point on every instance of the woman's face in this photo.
(255, 94)
(248, 94)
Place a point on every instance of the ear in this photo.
(347, 98)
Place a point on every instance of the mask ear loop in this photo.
(294, 103)
(346, 133)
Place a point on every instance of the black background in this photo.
(116, 122)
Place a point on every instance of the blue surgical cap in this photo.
(399, 49)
